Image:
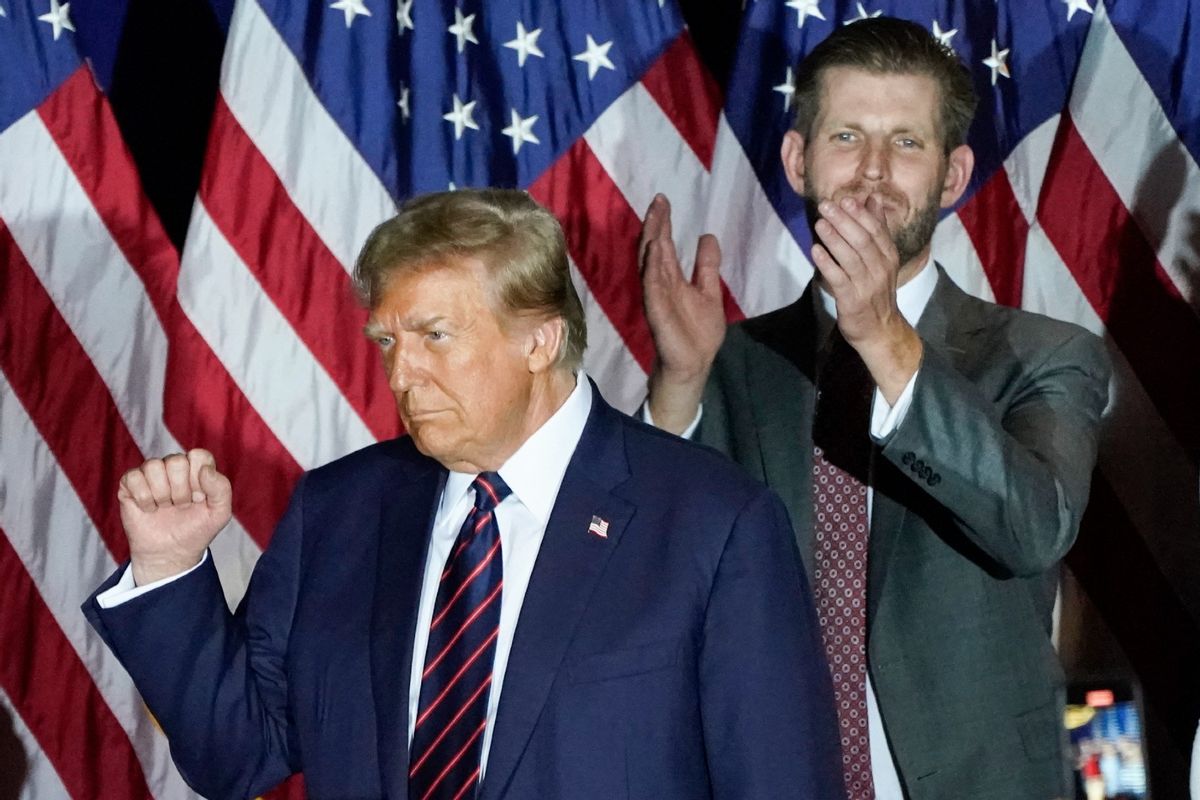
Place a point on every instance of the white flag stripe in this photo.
(752, 235)
(953, 249)
(296, 397)
(64, 240)
(607, 359)
(1151, 171)
(63, 553)
(126, 344)
(1026, 166)
(1151, 474)
(327, 179)
(41, 779)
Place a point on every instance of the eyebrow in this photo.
(375, 328)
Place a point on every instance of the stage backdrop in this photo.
(234, 327)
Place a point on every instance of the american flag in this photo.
(1085, 206)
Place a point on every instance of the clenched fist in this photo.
(172, 509)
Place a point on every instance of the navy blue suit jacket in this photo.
(677, 658)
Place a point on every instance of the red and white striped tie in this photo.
(452, 714)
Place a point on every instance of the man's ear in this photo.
(791, 152)
(959, 165)
(544, 343)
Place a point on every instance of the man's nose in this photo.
(403, 372)
(874, 164)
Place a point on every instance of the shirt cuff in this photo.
(125, 589)
(687, 432)
(885, 418)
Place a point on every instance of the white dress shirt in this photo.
(534, 473)
(911, 298)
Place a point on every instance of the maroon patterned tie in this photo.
(841, 460)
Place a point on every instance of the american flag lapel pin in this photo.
(599, 527)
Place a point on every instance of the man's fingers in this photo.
(155, 472)
(707, 275)
(197, 459)
(662, 264)
(831, 271)
(655, 226)
(134, 488)
(178, 482)
(216, 487)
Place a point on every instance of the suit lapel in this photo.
(407, 508)
(568, 565)
(785, 429)
(946, 324)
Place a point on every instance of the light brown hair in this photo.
(520, 243)
(889, 46)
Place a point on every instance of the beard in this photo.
(910, 239)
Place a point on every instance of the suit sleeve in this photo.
(766, 698)
(216, 682)
(1014, 477)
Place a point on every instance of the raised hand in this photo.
(172, 508)
(860, 266)
(687, 318)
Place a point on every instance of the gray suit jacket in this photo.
(977, 496)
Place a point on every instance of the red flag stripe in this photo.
(74, 412)
(679, 82)
(295, 268)
(54, 694)
(602, 232)
(217, 415)
(1118, 272)
(998, 231)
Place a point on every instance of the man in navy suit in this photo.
(621, 615)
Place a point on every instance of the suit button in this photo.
(935, 479)
(907, 458)
(917, 466)
(926, 471)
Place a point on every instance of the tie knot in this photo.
(490, 490)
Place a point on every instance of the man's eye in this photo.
(436, 336)
(906, 143)
(844, 137)
(384, 342)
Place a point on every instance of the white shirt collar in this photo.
(911, 298)
(536, 470)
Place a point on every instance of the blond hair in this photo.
(520, 243)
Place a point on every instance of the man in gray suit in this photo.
(934, 450)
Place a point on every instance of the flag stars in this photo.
(787, 89)
(3, 13)
(596, 56)
(1077, 5)
(462, 29)
(862, 14)
(404, 19)
(525, 44)
(351, 9)
(58, 17)
(944, 36)
(462, 117)
(521, 131)
(805, 9)
(402, 104)
(997, 62)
